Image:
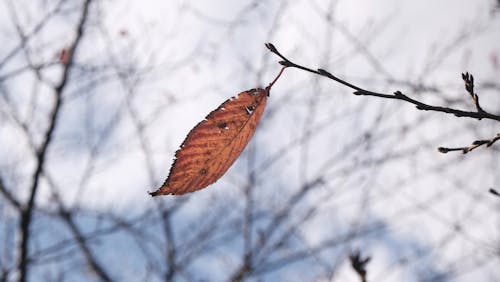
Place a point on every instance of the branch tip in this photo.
(443, 150)
(494, 192)
(271, 47)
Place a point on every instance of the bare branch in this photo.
(398, 95)
(474, 145)
(41, 152)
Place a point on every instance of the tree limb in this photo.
(41, 152)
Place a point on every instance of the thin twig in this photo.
(67, 216)
(469, 86)
(9, 196)
(171, 250)
(474, 145)
(81, 240)
(398, 95)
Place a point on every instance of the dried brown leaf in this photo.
(213, 145)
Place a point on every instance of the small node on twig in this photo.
(479, 142)
(398, 94)
(469, 87)
(324, 73)
(285, 63)
(469, 82)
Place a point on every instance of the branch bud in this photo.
(443, 150)
(271, 47)
(324, 72)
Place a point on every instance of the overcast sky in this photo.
(175, 61)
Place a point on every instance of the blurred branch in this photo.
(24, 38)
(262, 250)
(398, 95)
(130, 81)
(67, 217)
(9, 196)
(494, 192)
(117, 225)
(81, 240)
(41, 152)
(359, 264)
(171, 250)
(302, 254)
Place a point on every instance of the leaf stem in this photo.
(276, 78)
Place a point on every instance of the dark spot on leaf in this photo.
(222, 125)
(250, 109)
(203, 171)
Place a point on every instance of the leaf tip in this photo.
(155, 193)
(158, 192)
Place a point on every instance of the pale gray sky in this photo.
(184, 58)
